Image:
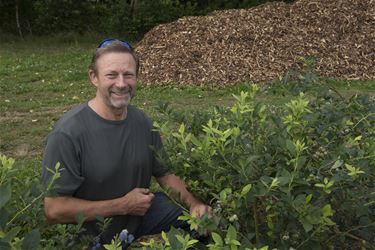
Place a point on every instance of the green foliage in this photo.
(129, 18)
(136, 21)
(14, 233)
(297, 176)
(22, 222)
(174, 239)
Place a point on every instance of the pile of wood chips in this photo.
(262, 43)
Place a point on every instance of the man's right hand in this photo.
(137, 201)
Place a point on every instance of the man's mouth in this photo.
(121, 93)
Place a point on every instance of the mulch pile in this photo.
(262, 43)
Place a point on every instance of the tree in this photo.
(18, 19)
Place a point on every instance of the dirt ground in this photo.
(262, 43)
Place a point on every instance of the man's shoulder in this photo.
(72, 120)
(139, 115)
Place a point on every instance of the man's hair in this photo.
(116, 47)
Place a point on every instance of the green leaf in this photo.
(246, 189)
(284, 177)
(231, 234)
(164, 236)
(327, 210)
(223, 195)
(306, 225)
(192, 242)
(80, 218)
(181, 130)
(320, 185)
(195, 141)
(358, 138)
(350, 167)
(4, 216)
(337, 164)
(329, 222)
(176, 135)
(217, 239)
(98, 217)
(5, 194)
(235, 242)
(301, 161)
(173, 241)
(308, 199)
(11, 234)
(180, 239)
(31, 240)
(290, 146)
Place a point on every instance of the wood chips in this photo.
(262, 43)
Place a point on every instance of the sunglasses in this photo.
(111, 40)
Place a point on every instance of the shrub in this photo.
(298, 176)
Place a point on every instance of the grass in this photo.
(40, 80)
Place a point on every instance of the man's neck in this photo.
(106, 112)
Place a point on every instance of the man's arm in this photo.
(64, 209)
(178, 186)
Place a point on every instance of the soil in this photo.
(262, 43)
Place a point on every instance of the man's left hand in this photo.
(179, 187)
(199, 209)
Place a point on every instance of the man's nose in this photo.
(122, 82)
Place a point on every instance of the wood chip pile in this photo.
(262, 43)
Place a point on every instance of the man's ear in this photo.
(93, 77)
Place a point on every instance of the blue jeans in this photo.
(161, 216)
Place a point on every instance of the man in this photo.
(107, 150)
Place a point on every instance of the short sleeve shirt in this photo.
(102, 159)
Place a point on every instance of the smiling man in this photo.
(108, 151)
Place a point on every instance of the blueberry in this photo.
(123, 235)
(97, 244)
(130, 238)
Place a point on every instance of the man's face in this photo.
(115, 79)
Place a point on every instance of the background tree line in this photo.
(130, 18)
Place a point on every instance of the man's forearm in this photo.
(196, 207)
(178, 186)
(64, 209)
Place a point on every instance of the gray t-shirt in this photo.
(103, 159)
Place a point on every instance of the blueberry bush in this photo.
(292, 176)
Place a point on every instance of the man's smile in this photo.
(121, 93)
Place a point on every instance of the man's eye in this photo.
(111, 76)
(128, 76)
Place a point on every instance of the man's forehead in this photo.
(116, 58)
(114, 55)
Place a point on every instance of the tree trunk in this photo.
(132, 8)
(18, 20)
(29, 27)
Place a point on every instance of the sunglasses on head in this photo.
(111, 40)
